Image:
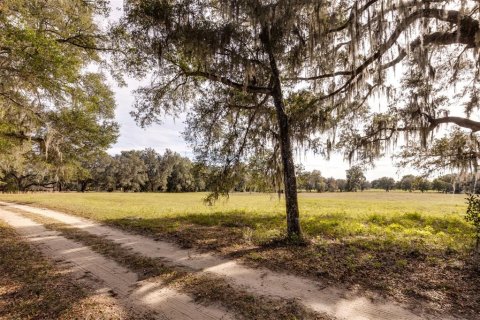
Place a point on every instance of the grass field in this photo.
(411, 246)
(432, 218)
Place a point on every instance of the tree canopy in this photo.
(236, 65)
(430, 47)
(53, 109)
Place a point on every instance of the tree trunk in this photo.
(289, 178)
(83, 186)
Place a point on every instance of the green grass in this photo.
(430, 218)
(413, 247)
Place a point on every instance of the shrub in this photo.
(473, 216)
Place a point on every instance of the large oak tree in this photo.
(52, 108)
(238, 66)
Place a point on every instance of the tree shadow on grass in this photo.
(31, 287)
(440, 279)
(204, 231)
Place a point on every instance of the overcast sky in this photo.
(169, 135)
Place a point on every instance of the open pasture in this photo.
(433, 218)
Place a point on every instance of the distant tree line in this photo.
(136, 171)
(149, 171)
(130, 171)
(313, 181)
(449, 183)
(355, 181)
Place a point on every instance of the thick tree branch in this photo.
(459, 121)
(256, 106)
(322, 76)
(75, 42)
(228, 82)
(80, 40)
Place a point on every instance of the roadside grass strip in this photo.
(33, 287)
(332, 300)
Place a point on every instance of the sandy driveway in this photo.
(337, 302)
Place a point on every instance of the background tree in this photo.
(97, 172)
(314, 181)
(21, 170)
(407, 183)
(167, 163)
(130, 171)
(355, 179)
(342, 185)
(422, 184)
(153, 169)
(200, 174)
(49, 102)
(365, 185)
(385, 183)
(442, 186)
(332, 184)
(181, 178)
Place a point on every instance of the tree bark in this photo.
(83, 186)
(289, 179)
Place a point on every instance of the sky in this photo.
(168, 135)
